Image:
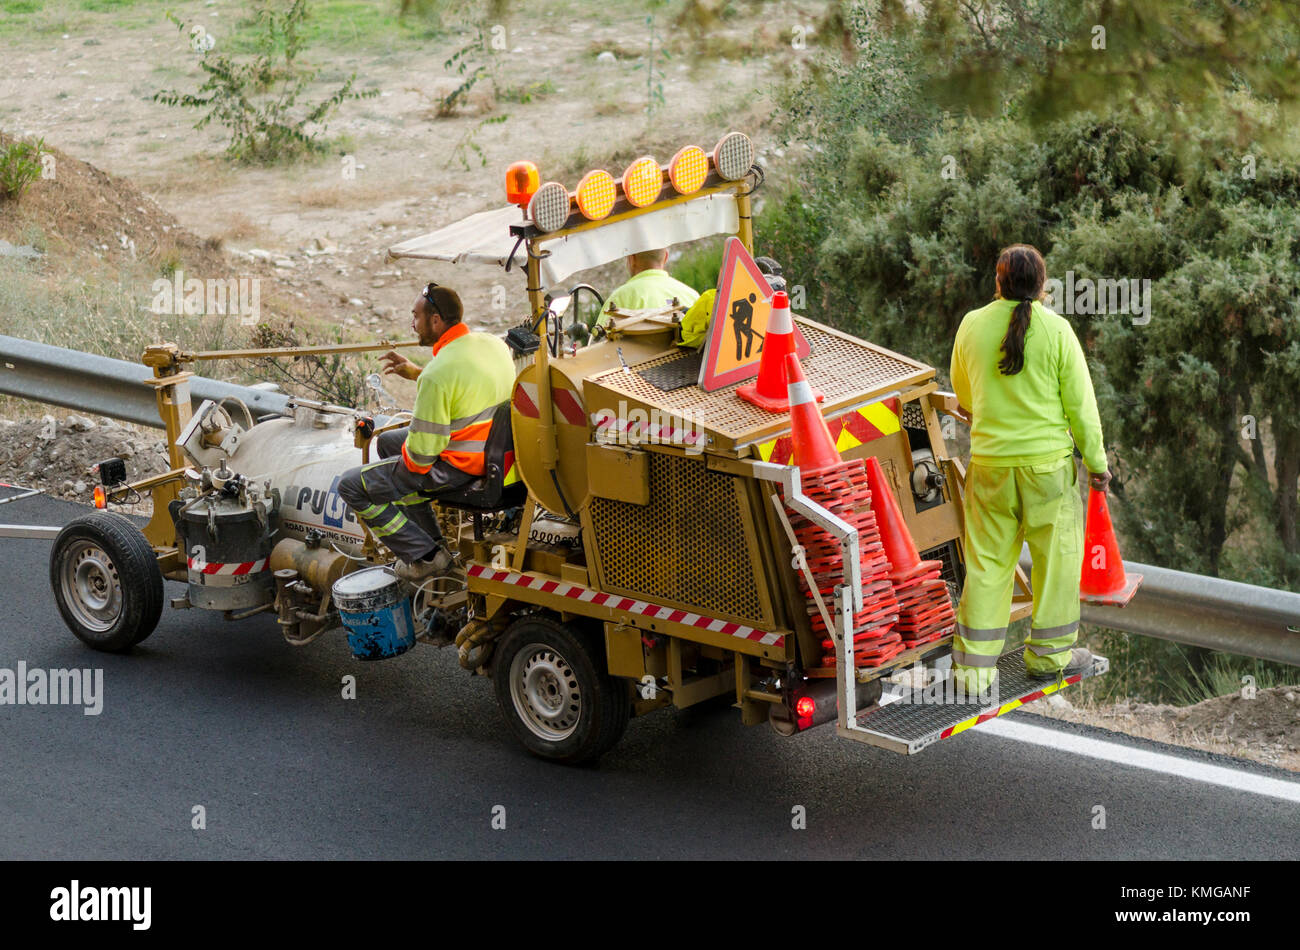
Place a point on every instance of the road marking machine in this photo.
(645, 535)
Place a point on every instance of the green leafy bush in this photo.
(20, 165)
(915, 183)
(257, 100)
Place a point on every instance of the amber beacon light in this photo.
(522, 180)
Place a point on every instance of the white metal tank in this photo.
(304, 457)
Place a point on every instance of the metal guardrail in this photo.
(105, 386)
(1171, 605)
(1205, 612)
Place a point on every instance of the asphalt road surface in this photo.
(229, 717)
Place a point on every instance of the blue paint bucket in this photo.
(375, 612)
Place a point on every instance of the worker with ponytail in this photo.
(1020, 375)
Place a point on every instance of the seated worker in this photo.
(442, 449)
(649, 288)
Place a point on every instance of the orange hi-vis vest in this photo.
(469, 376)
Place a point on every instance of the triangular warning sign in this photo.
(740, 312)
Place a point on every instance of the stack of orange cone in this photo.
(841, 488)
(812, 446)
(925, 611)
(1103, 580)
(770, 390)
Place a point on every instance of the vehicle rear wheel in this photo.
(553, 691)
(106, 582)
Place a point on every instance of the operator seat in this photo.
(489, 494)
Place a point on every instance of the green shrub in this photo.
(20, 165)
(257, 100)
(699, 265)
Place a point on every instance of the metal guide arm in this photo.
(848, 596)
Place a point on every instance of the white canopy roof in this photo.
(485, 238)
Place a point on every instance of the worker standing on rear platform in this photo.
(1019, 372)
(442, 449)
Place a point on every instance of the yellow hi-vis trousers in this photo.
(1005, 507)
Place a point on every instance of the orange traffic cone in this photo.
(814, 448)
(899, 546)
(1103, 580)
(770, 391)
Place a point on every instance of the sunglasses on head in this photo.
(428, 295)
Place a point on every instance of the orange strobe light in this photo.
(522, 180)
(596, 194)
(643, 181)
(101, 498)
(688, 169)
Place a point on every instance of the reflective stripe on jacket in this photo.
(469, 376)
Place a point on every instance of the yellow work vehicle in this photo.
(630, 547)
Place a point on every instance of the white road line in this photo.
(1142, 759)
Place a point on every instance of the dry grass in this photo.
(238, 227)
(349, 194)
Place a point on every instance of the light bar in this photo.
(596, 194)
(733, 156)
(549, 207)
(643, 181)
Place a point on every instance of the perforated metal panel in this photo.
(913, 416)
(687, 547)
(953, 574)
(839, 367)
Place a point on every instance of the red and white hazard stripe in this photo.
(661, 434)
(617, 602)
(567, 404)
(209, 567)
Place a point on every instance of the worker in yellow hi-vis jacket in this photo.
(443, 448)
(649, 286)
(1020, 374)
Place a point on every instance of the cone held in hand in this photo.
(814, 448)
(1103, 580)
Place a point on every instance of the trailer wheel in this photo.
(106, 582)
(554, 693)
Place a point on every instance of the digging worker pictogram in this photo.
(442, 449)
(742, 316)
(1020, 373)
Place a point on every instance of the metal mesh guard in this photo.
(840, 367)
(687, 546)
(914, 721)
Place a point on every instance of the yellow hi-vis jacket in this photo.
(469, 376)
(650, 289)
(1028, 418)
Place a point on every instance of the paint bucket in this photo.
(375, 612)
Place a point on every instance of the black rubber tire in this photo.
(605, 705)
(138, 576)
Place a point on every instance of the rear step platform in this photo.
(910, 719)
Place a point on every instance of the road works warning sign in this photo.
(739, 323)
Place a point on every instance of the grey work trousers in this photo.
(389, 497)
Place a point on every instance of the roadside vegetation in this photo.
(933, 143)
